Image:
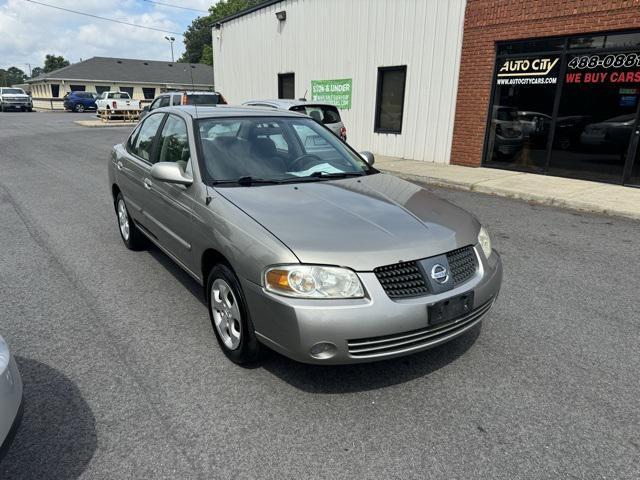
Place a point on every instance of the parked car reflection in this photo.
(508, 137)
(612, 134)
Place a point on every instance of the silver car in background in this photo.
(323, 113)
(10, 397)
(300, 243)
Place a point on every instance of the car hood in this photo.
(361, 223)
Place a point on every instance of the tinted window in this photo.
(203, 99)
(325, 114)
(128, 90)
(177, 99)
(102, 88)
(173, 143)
(164, 101)
(143, 144)
(77, 88)
(390, 99)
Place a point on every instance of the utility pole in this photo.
(29, 65)
(171, 40)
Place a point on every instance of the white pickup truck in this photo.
(117, 102)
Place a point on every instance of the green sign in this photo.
(335, 92)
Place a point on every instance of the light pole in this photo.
(171, 40)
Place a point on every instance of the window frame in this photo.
(378, 107)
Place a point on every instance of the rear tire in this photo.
(133, 238)
(230, 317)
(79, 108)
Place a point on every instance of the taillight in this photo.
(343, 134)
(184, 100)
(114, 104)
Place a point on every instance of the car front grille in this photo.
(416, 339)
(405, 279)
(463, 264)
(402, 280)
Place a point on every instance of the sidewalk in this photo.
(561, 192)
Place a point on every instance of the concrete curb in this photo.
(480, 187)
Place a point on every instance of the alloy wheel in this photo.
(123, 219)
(226, 313)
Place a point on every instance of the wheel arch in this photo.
(210, 258)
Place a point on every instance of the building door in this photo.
(55, 90)
(286, 85)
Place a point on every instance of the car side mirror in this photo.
(170, 172)
(368, 157)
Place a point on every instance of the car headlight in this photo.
(313, 281)
(485, 242)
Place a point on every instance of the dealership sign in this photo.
(611, 68)
(335, 92)
(528, 71)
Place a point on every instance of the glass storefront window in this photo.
(521, 113)
(569, 114)
(596, 116)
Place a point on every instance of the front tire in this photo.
(132, 237)
(230, 316)
(79, 108)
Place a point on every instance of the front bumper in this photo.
(10, 405)
(367, 329)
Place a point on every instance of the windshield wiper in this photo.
(336, 174)
(247, 181)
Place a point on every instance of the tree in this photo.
(11, 76)
(36, 72)
(207, 55)
(53, 62)
(198, 34)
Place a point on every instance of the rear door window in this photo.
(164, 101)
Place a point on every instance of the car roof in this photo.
(286, 103)
(220, 111)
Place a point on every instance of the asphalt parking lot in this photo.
(124, 379)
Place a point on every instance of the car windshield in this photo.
(273, 150)
(12, 90)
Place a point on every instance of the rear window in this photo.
(325, 114)
(203, 99)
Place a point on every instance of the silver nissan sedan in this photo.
(301, 245)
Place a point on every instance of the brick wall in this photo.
(488, 21)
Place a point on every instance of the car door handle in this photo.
(119, 165)
(148, 184)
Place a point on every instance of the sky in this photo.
(28, 31)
